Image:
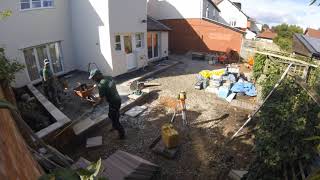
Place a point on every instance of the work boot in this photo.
(122, 136)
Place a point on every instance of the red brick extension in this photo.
(202, 36)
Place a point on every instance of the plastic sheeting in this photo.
(244, 87)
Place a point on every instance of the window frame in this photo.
(117, 43)
(139, 40)
(31, 2)
(60, 58)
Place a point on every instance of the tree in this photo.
(285, 34)
(314, 1)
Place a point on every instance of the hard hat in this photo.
(46, 61)
(94, 72)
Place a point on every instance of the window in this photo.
(117, 43)
(35, 4)
(139, 40)
(233, 23)
(207, 11)
(34, 58)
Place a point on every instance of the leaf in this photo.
(95, 167)
(312, 138)
(85, 172)
(7, 105)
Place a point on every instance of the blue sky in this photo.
(275, 12)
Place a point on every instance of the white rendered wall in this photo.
(175, 9)
(231, 13)
(29, 28)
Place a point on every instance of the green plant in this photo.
(285, 34)
(284, 123)
(7, 68)
(259, 62)
(89, 173)
(5, 13)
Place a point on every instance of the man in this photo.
(107, 89)
(47, 81)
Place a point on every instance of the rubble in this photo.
(94, 141)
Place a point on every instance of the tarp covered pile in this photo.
(225, 83)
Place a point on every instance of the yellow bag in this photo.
(207, 74)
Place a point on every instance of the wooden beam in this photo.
(283, 57)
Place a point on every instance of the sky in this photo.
(273, 12)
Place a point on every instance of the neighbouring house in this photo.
(312, 33)
(74, 33)
(267, 36)
(306, 46)
(232, 14)
(250, 34)
(195, 26)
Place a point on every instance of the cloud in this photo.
(275, 12)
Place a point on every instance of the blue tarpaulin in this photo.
(244, 87)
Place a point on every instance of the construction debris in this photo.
(94, 141)
(135, 111)
(122, 165)
(236, 174)
(223, 83)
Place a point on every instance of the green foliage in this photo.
(90, 173)
(285, 35)
(7, 68)
(5, 13)
(259, 62)
(287, 126)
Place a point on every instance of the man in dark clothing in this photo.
(48, 81)
(107, 89)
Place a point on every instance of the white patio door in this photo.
(131, 59)
(35, 56)
(153, 45)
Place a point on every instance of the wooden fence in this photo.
(16, 161)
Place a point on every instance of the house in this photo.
(250, 34)
(195, 26)
(312, 33)
(232, 14)
(74, 33)
(306, 46)
(267, 36)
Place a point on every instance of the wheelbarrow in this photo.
(85, 92)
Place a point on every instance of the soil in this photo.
(205, 151)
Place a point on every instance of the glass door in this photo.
(55, 57)
(153, 45)
(42, 54)
(34, 58)
(31, 64)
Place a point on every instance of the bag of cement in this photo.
(199, 85)
(205, 83)
(215, 83)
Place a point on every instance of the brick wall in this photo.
(201, 35)
(16, 162)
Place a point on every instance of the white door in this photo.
(131, 59)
